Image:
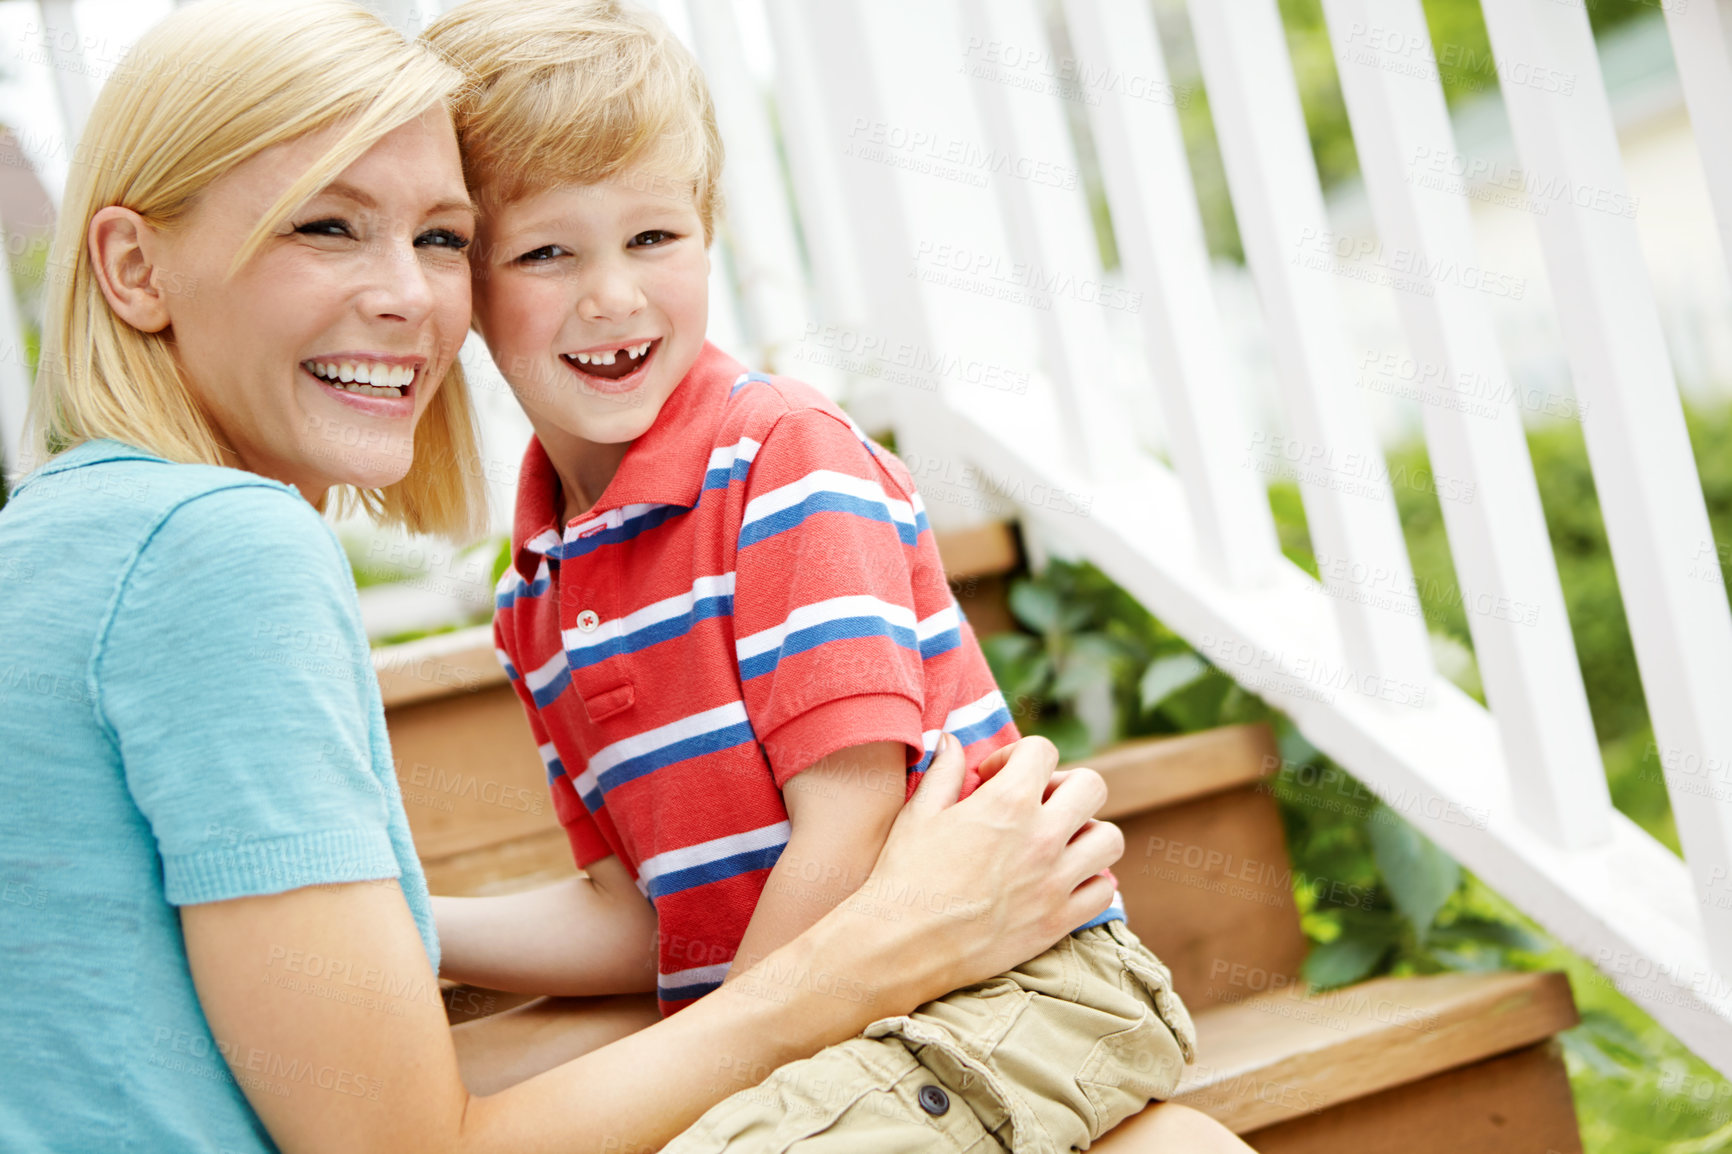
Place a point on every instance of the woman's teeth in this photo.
(632, 352)
(363, 378)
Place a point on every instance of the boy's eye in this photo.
(539, 255)
(651, 237)
(330, 226)
(443, 238)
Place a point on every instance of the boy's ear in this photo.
(123, 246)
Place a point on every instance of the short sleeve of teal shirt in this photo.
(234, 678)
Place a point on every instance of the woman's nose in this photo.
(402, 288)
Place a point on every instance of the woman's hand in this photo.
(965, 890)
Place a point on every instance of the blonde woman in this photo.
(214, 923)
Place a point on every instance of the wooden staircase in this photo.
(1452, 1062)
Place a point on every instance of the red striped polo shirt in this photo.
(757, 588)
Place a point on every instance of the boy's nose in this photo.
(610, 295)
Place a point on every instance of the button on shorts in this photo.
(1041, 1060)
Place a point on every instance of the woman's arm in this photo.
(575, 938)
(380, 1073)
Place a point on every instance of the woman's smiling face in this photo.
(315, 360)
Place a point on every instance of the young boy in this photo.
(729, 625)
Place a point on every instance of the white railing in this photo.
(951, 291)
(920, 98)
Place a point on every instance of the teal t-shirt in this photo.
(188, 713)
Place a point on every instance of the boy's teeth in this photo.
(630, 352)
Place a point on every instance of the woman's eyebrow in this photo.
(365, 199)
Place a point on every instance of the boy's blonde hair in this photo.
(208, 87)
(576, 92)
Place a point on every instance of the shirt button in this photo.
(934, 1100)
(588, 620)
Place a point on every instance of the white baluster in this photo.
(66, 62)
(1160, 238)
(895, 109)
(813, 163)
(1276, 193)
(1491, 504)
(14, 380)
(758, 220)
(1040, 194)
(1650, 495)
(1702, 45)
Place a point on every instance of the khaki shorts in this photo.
(1041, 1060)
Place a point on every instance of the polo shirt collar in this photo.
(665, 466)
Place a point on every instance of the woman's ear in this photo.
(122, 248)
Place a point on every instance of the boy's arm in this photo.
(582, 936)
(839, 813)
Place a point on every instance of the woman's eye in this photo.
(331, 226)
(651, 237)
(540, 255)
(443, 238)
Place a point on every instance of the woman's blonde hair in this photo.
(576, 92)
(207, 88)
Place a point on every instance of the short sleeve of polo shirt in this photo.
(588, 846)
(229, 674)
(824, 616)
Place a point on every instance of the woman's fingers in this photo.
(1074, 797)
(1088, 901)
(941, 784)
(1095, 848)
(1020, 770)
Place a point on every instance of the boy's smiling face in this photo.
(593, 300)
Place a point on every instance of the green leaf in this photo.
(1037, 606)
(1419, 876)
(1066, 731)
(1090, 661)
(1018, 666)
(1165, 676)
(1488, 932)
(1345, 960)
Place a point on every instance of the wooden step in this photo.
(1205, 876)
(1452, 1062)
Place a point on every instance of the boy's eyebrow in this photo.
(365, 199)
